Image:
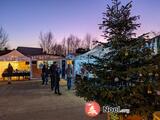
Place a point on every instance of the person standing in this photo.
(69, 76)
(57, 80)
(52, 75)
(9, 71)
(45, 75)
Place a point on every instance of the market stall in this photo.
(98, 51)
(19, 62)
(39, 60)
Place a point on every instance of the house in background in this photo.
(30, 51)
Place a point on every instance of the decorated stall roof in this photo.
(14, 55)
(45, 57)
(3, 52)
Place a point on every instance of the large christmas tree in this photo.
(126, 76)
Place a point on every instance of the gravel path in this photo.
(29, 100)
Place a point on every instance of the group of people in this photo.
(54, 73)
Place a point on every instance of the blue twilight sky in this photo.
(24, 19)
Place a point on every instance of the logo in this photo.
(107, 109)
(92, 109)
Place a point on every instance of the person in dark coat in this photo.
(52, 75)
(45, 73)
(57, 79)
(9, 71)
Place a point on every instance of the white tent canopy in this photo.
(14, 56)
(98, 51)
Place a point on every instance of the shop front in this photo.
(20, 64)
(39, 60)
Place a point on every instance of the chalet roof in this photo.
(4, 52)
(14, 55)
(30, 51)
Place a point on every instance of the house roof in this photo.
(4, 52)
(30, 51)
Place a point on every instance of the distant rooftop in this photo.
(4, 52)
(30, 51)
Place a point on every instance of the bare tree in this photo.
(53, 48)
(73, 43)
(57, 49)
(69, 43)
(46, 42)
(63, 43)
(3, 39)
(87, 42)
(77, 43)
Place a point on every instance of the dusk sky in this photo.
(24, 19)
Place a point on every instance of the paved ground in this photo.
(29, 100)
